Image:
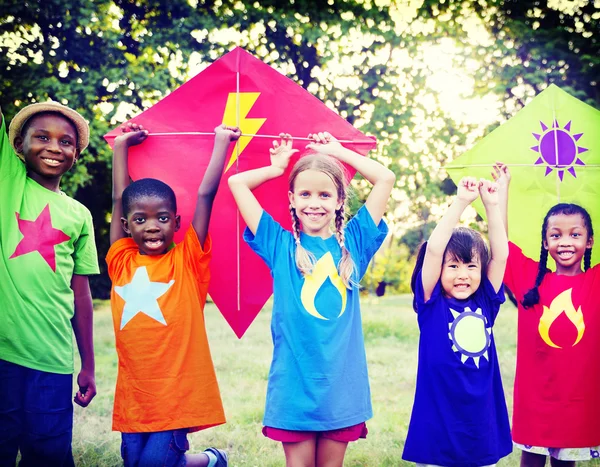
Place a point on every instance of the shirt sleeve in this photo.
(196, 257)
(269, 237)
(520, 272)
(85, 256)
(494, 299)
(420, 303)
(363, 238)
(117, 254)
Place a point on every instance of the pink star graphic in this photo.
(40, 236)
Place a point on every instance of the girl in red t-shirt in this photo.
(556, 406)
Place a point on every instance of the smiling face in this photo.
(49, 147)
(315, 199)
(152, 223)
(460, 280)
(566, 240)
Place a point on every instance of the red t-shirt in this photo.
(166, 378)
(557, 382)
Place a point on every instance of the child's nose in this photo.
(152, 226)
(53, 145)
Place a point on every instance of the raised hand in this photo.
(230, 133)
(324, 143)
(501, 175)
(282, 151)
(468, 189)
(132, 134)
(488, 191)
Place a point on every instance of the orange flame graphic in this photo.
(561, 304)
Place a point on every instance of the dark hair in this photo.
(532, 297)
(27, 123)
(463, 245)
(148, 187)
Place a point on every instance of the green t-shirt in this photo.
(45, 238)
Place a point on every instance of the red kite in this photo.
(239, 90)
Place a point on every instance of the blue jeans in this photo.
(36, 417)
(158, 449)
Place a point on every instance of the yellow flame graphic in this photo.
(247, 125)
(324, 268)
(561, 303)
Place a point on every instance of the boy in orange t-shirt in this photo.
(157, 302)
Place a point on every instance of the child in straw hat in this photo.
(47, 250)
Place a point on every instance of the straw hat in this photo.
(16, 124)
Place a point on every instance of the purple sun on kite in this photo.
(558, 149)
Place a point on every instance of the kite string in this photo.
(299, 138)
(512, 165)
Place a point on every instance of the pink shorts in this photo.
(350, 433)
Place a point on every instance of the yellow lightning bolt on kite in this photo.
(247, 125)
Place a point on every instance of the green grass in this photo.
(391, 339)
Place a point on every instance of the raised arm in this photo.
(502, 177)
(242, 184)
(210, 182)
(436, 245)
(380, 177)
(496, 233)
(132, 135)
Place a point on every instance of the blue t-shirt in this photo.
(459, 416)
(318, 379)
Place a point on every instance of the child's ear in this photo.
(590, 242)
(19, 144)
(291, 198)
(177, 222)
(125, 225)
(545, 244)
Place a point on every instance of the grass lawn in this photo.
(391, 336)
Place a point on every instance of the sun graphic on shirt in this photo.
(558, 149)
(470, 335)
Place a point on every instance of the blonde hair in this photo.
(305, 260)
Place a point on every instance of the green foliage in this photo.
(390, 270)
(111, 59)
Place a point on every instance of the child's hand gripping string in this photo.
(381, 177)
(132, 135)
(243, 183)
(502, 177)
(490, 196)
(281, 152)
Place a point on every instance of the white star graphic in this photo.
(140, 297)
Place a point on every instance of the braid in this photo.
(295, 225)
(587, 259)
(305, 260)
(346, 265)
(533, 296)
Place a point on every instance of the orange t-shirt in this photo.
(166, 378)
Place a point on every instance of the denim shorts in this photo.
(156, 449)
(36, 416)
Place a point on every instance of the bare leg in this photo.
(301, 454)
(556, 463)
(196, 460)
(529, 459)
(330, 453)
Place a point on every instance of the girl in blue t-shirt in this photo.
(459, 415)
(318, 395)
